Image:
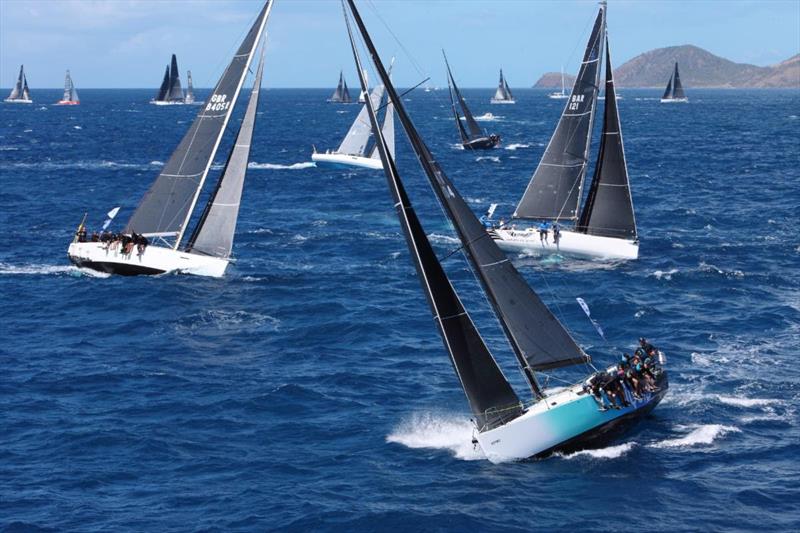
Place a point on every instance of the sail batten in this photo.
(609, 206)
(554, 194)
(490, 395)
(168, 204)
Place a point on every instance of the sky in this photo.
(127, 43)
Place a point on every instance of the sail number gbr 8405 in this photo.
(218, 103)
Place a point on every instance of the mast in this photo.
(167, 206)
(609, 207)
(215, 229)
(492, 400)
(538, 339)
(555, 189)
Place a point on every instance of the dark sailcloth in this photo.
(555, 189)
(668, 91)
(503, 93)
(472, 125)
(175, 92)
(491, 397)
(342, 94)
(538, 339)
(609, 208)
(164, 89)
(677, 87)
(20, 90)
(168, 204)
(217, 225)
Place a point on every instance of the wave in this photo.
(492, 158)
(82, 165)
(438, 432)
(50, 270)
(748, 402)
(660, 274)
(611, 452)
(705, 434)
(517, 146)
(438, 238)
(277, 166)
(489, 117)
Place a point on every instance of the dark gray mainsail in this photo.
(609, 207)
(556, 187)
(175, 92)
(492, 399)
(217, 225)
(162, 91)
(668, 91)
(677, 87)
(474, 129)
(539, 340)
(20, 90)
(342, 93)
(166, 208)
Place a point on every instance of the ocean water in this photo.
(309, 390)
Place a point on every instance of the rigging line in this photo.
(413, 61)
(579, 41)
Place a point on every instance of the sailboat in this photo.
(352, 152)
(476, 138)
(606, 227)
(20, 94)
(562, 95)
(164, 213)
(170, 92)
(503, 94)
(70, 94)
(189, 99)
(506, 427)
(674, 91)
(342, 94)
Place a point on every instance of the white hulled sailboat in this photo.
(674, 92)
(606, 226)
(560, 95)
(164, 213)
(507, 428)
(20, 94)
(503, 93)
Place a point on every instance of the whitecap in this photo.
(50, 270)
(611, 452)
(516, 146)
(488, 117)
(77, 127)
(442, 239)
(748, 402)
(451, 433)
(705, 434)
(157, 163)
(277, 166)
(492, 158)
(660, 274)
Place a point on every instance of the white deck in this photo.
(98, 256)
(527, 241)
(345, 160)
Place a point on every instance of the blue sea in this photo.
(308, 389)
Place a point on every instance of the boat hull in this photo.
(17, 101)
(67, 102)
(557, 96)
(567, 421)
(493, 101)
(482, 143)
(154, 260)
(674, 100)
(527, 241)
(345, 160)
(162, 102)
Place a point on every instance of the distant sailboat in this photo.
(560, 95)
(70, 94)
(20, 93)
(606, 227)
(352, 152)
(189, 88)
(170, 92)
(503, 93)
(476, 138)
(555, 419)
(674, 91)
(166, 209)
(342, 94)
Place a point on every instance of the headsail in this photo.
(387, 130)
(26, 93)
(175, 92)
(609, 207)
(162, 91)
(538, 339)
(668, 91)
(491, 398)
(502, 93)
(189, 88)
(474, 129)
(554, 191)
(217, 225)
(677, 88)
(17, 90)
(168, 205)
(357, 138)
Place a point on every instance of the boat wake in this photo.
(489, 117)
(517, 146)
(438, 432)
(276, 166)
(492, 158)
(611, 452)
(700, 435)
(50, 270)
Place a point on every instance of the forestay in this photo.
(554, 191)
(167, 206)
(609, 207)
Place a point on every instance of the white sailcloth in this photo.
(355, 142)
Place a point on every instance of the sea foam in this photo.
(451, 433)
